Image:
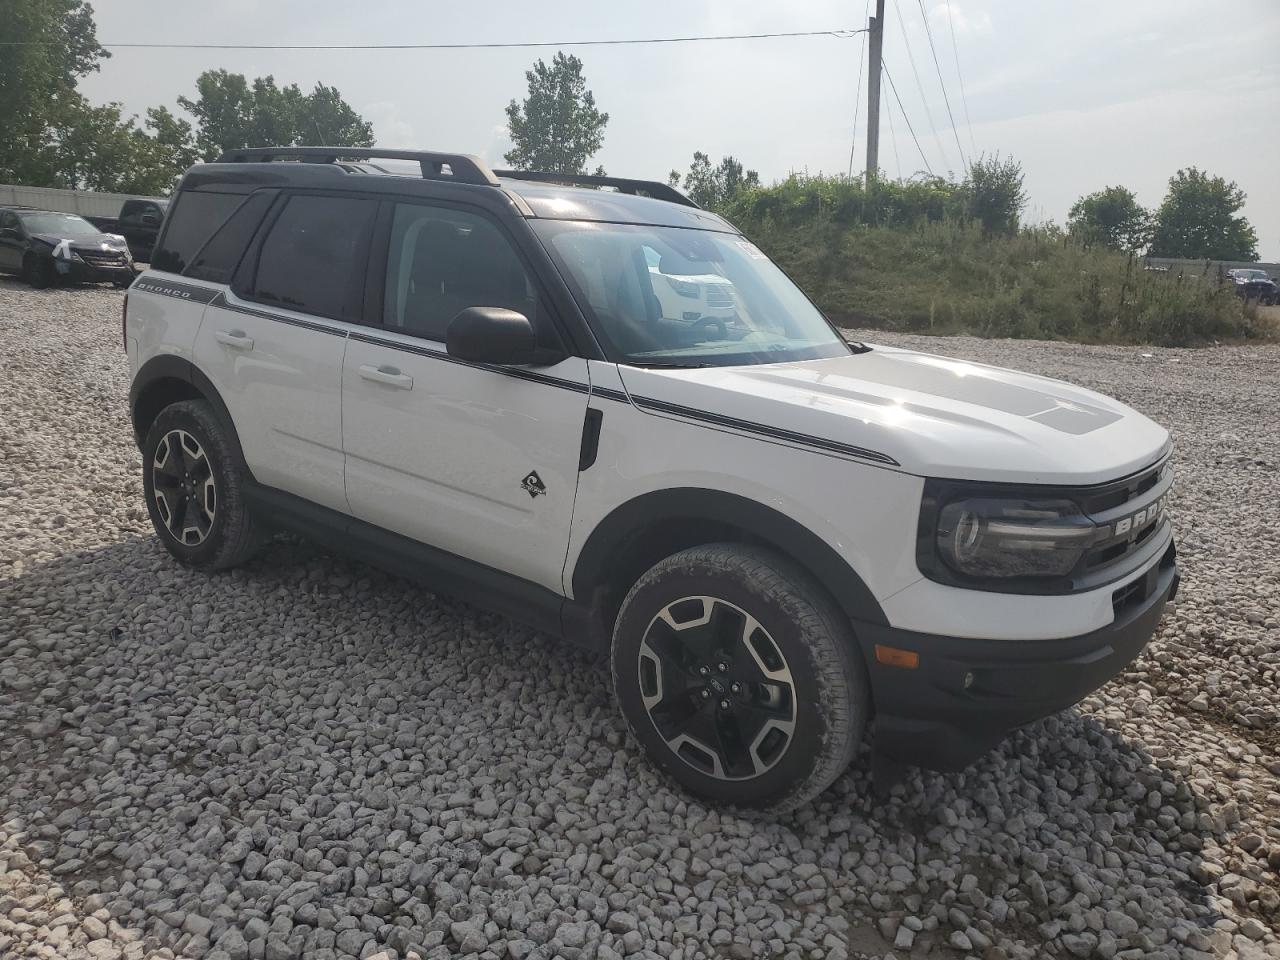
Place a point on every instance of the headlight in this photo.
(989, 537)
(684, 287)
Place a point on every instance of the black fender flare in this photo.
(774, 528)
(169, 367)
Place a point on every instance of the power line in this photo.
(919, 86)
(893, 137)
(839, 34)
(955, 51)
(894, 87)
(857, 91)
(937, 66)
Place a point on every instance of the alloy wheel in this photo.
(185, 492)
(717, 688)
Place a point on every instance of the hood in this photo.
(934, 416)
(111, 240)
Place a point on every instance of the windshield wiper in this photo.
(665, 365)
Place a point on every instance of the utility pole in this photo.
(876, 27)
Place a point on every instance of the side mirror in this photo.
(9, 233)
(150, 219)
(492, 335)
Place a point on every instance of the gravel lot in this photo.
(310, 758)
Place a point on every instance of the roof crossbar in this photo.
(651, 188)
(463, 168)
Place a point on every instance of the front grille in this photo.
(1128, 514)
(719, 297)
(102, 258)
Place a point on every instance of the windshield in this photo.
(65, 226)
(1251, 274)
(674, 297)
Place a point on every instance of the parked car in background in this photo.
(44, 246)
(139, 223)
(1254, 284)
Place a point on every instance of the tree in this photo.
(232, 113)
(1111, 217)
(1198, 221)
(558, 127)
(994, 194)
(712, 187)
(54, 45)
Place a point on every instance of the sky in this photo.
(1084, 93)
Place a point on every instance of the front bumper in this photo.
(966, 695)
(80, 272)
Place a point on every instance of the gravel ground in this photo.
(309, 758)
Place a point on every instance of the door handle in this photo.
(235, 339)
(389, 375)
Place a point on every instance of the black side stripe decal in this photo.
(221, 302)
(217, 299)
(176, 291)
(516, 372)
(610, 394)
(775, 433)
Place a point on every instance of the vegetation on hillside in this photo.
(938, 256)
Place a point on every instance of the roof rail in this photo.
(463, 168)
(652, 188)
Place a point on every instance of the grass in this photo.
(943, 276)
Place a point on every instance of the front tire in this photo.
(194, 489)
(38, 273)
(740, 676)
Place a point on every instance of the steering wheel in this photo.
(706, 322)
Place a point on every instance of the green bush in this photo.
(905, 256)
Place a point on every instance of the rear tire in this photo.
(195, 491)
(740, 676)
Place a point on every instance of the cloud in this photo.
(390, 128)
(967, 22)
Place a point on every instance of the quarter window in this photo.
(217, 260)
(196, 217)
(441, 261)
(310, 258)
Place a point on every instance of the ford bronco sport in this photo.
(781, 539)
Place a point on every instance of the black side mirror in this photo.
(492, 335)
(9, 233)
(150, 219)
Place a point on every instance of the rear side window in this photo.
(196, 216)
(218, 259)
(312, 259)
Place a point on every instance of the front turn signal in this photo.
(894, 657)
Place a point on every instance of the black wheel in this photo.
(740, 676)
(38, 272)
(194, 490)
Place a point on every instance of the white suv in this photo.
(780, 539)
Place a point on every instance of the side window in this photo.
(130, 212)
(197, 214)
(8, 221)
(441, 261)
(218, 259)
(310, 258)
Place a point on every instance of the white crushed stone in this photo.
(309, 758)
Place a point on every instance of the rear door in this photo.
(273, 343)
(479, 461)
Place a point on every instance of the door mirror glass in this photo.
(492, 335)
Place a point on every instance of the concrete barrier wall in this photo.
(1211, 267)
(86, 203)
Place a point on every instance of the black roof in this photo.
(459, 176)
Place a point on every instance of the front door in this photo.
(479, 461)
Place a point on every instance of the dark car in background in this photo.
(1253, 284)
(139, 223)
(43, 247)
